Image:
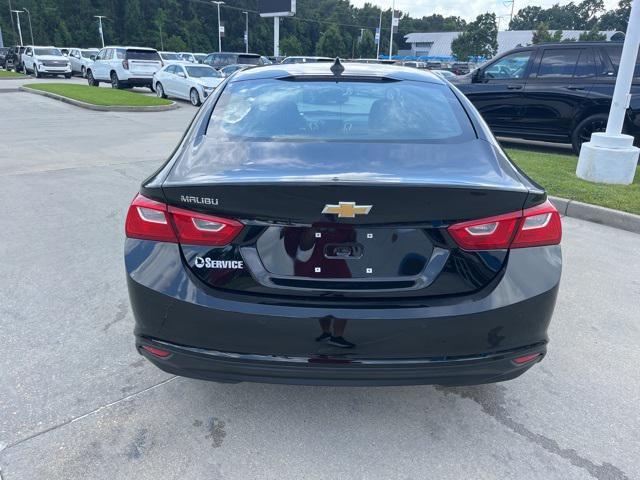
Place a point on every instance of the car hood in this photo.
(210, 82)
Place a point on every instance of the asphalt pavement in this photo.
(78, 402)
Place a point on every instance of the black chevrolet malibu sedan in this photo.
(344, 225)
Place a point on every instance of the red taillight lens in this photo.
(156, 351)
(199, 229)
(151, 220)
(125, 64)
(526, 358)
(536, 226)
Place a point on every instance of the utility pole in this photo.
(379, 36)
(30, 27)
(100, 17)
(218, 3)
(610, 157)
(393, 17)
(13, 24)
(18, 12)
(276, 36)
(246, 32)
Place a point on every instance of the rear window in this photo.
(402, 111)
(558, 63)
(142, 55)
(249, 60)
(170, 56)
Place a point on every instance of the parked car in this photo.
(460, 68)
(229, 69)
(43, 61)
(554, 92)
(303, 59)
(4, 51)
(296, 242)
(188, 82)
(65, 51)
(200, 57)
(80, 59)
(222, 59)
(13, 60)
(414, 64)
(373, 60)
(169, 58)
(125, 67)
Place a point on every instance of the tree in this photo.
(572, 16)
(366, 46)
(542, 35)
(291, 46)
(592, 35)
(479, 39)
(616, 19)
(331, 43)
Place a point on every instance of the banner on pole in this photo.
(377, 36)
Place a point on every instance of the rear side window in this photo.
(401, 111)
(142, 55)
(558, 63)
(614, 62)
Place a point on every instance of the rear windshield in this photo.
(249, 60)
(47, 51)
(402, 111)
(203, 72)
(170, 56)
(142, 55)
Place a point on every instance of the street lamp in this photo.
(18, 12)
(218, 3)
(100, 17)
(30, 27)
(246, 32)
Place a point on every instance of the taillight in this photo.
(125, 64)
(533, 227)
(151, 220)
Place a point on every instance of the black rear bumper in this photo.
(233, 368)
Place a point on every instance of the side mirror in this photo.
(182, 74)
(93, 57)
(477, 76)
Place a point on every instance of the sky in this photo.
(467, 9)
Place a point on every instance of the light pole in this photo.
(30, 27)
(100, 17)
(218, 3)
(610, 156)
(18, 12)
(393, 17)
(246, 32)
(379, 37)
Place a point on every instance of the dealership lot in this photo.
(77, 401)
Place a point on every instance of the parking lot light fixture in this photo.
(100, 17)
(30, 27)
(610, 157)
(218, 3)
(18, 12)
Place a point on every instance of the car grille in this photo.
(54, 63)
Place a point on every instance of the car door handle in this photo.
(514, 87)
(575, 88)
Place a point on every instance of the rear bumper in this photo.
(216, 336)
(233, 368)
(139, 81)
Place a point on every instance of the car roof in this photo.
(351, 69)
(131, 47)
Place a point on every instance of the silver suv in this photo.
(124, 67)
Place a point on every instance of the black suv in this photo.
(13, 59)
(222, 59)
(4, 51)
(555, 92)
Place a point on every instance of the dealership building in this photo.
(437, 45)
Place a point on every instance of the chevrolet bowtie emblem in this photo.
(347, 209)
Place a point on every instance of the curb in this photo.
(100, 108)
(593, 213)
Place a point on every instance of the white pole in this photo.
(610, 157)
(379, 36)
(276, 36)
(620, 99)
(18, 12)
(100, 17)
(219, 34)
(246, 32)
(393, 13)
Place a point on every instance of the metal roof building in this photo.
(437, 45)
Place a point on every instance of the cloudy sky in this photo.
(467, 9)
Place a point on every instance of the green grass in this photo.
(100, 96)
(557, 173)
(6, 74)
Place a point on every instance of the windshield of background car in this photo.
(170, 56)
(142, 55)
(88, 53)
(47, 51)
(395, 111)
(249, 60)
(203, 72)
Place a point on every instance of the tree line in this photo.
(320, 27)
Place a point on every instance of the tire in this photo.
(35, 71)
(194, 96)
(115, 81)
(83, 72)
(67, 75)
(584, 129)
(92, 81)
(160, 91)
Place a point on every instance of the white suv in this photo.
(124, 67)
(80, 59)
(45, 61)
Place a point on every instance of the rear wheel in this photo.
(83, 71)
(67, 75)
(584, 129)
(194, 97)
(92, 81)
(160, 91)
(115, 81)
